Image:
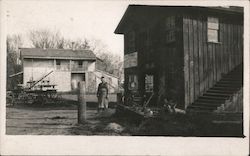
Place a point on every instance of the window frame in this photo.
(58, 64)
(169, 26)
(213, 27)
(149, 83)
(132, 78)
(80, 64)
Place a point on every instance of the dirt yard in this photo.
(59, 120)
(62, 120)
(23, 121)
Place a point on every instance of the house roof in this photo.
(57, 53)
(152, 12)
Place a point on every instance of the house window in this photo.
(132, 82)
(212, 29)
(58, 64)
(131, 41)
(170, 29)
(79, 64)
(83, 77)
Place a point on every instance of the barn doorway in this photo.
(76, 78)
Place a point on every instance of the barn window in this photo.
(212, 29)
(132, 82)
(170, 29)
(170, 36)
(170, 22)
(149, 83)
(131, 41)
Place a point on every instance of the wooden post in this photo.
(81, 102)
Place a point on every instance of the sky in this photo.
(91, 19)
(74, 19)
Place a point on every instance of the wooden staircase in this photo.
(221, 91)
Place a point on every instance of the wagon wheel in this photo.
(52, 95)
(30, 98)
(58, 98)
(39, 100)
(21, 97)
(10, 98)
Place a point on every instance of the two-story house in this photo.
(68, 67)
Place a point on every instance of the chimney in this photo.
(73, 46)
(44, 46)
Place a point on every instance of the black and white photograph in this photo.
(125, 69)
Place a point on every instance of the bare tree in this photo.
(79, 44)
(98, 47)
(54, 39)
(13, 61)
(110, 62)
(47, 38)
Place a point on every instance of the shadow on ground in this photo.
(62, 120)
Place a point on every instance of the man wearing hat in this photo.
(102, 95)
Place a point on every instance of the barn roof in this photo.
(57, 53)
(151, 12)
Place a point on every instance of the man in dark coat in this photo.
(102, 95)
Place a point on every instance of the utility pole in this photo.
(82, 102)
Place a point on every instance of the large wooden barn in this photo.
(191, 55)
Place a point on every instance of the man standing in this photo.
(102, 95)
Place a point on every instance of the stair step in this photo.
(198, 111)
(230, 82)
(220, 91)
(224, 88)
(227, 85)
(236, 73)
(233, 84)
(206, 103)
(201, 108)
(217, 94)
(212, 97)
(205, 106)
(211, 101)
(232, 77)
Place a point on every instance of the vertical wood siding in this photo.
(204, 62)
